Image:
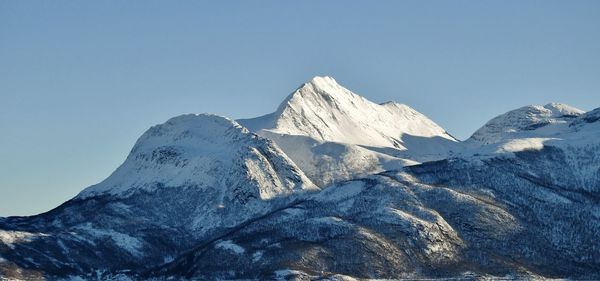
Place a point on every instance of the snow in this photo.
(517, 145)
(10, 238)
(285, 274)
(327, 162)
(527, 118)
(328, 220)
(201, 150)
(128, 243)
(238, 173)
(229, 245)
(257, 256)
(325, 133)
(340, 192)
(333, 134)
(324, 110)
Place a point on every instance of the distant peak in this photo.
(548, 110)
(527, 118)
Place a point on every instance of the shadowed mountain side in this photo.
(420, 148)
(377, 227)
(327, 162)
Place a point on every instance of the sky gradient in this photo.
(80, 81)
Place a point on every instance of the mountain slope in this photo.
(568, 139)
(446, 219)
(186, 180)
(526, 213)
(520, 121)
(207, 152)
(334, 134)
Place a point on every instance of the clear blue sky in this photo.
(81, 80)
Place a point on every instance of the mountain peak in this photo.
(323, 91)
(206, 151)
(326, 111)
(527, 118)
(322, 84)
(322, 80)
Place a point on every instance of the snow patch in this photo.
(130, 244)
(340, 192)
(285, 274)
(229, 245)
(517, 145)
(10, 238)
(257, 256)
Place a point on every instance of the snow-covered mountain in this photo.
(324, 110)
(520, 122)
(534, 127)
(334, 134)
(526, 213)
(206, 152)
(187, 180)
(236, 171)
(567, 135)
(331, 186)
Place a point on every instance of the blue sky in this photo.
(81, 80)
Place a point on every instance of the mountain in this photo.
(324, 110)
(334, 134)
(519, 122)
(331, 186)
(205, 152)
(567, 137)
(187, 180)
(529, 212)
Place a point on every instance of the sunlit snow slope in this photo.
(335, 134)
(206, 152)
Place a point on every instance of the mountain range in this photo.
(331, 186)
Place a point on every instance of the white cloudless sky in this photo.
(81, 80)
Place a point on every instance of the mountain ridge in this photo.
(342, 195)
